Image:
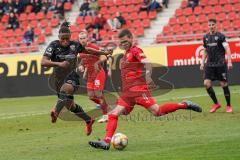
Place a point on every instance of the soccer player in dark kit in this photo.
(62, 55)
(136, 81)
(216, 67)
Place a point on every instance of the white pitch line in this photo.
(28, 114)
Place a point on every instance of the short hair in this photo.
(212, 20)
(64, 28)
(125, 32)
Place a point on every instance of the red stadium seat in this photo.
(131, 8)
(186, 27)
(23, 17)
(228, 8)
(176, 28)
(143, 15)
(31, 16)
(50, 15)
(34, 23)
(103, 10)
(222, 2)
(133, 16)
(5, 18)
(196, 27)
(48, 31)
(172, 21)
(211, 16)
(202, 18)
(236, 24)
(67, 6)
(232, 16)
(221, 16)
(179, 12)
(101, 3)
(40, 16)
(204, 27)
(182, 20)
(236, 7)
(28, 9)
(184, 4)
(187, 11)
(146, 23)
(18, 32)
(152, 14)
(139, 31)
(37, 31)
(213, 2)
(44, 23)
(128, 2)
(122, 9)
(79, 20)
(112, 10)
(203, 2)
(109, 3)
(166, 29)
(226, 25)
(41, 39)
(192, 19)
(198, 10)
(88, 19)
(137, 2)
(233, 1)
(217, 9)
(54, 22)
(208, 10)
(119, 2)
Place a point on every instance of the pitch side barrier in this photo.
(22, 75)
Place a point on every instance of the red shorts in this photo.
(96, 81)
(142, 98)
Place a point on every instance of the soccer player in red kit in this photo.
(95, 74)
(135, 89)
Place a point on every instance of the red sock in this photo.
(111, 127)
(170, 107)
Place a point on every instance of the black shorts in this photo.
(216, 73)
(73, 79)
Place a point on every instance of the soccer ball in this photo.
(119, 141)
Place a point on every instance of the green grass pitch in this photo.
(27, 134)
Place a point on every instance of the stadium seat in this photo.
(118, 2)
(31, 16)
(196, 27)
(172, 21)
(41, 39)
(182, 20)
(232, 16)
(236, 7)
(208, 10)
(28, 9)
(176, 28)
(227, 8)
(67, 6)
(146, 23)
(23, 17)
(197, 10)
(236, 24)
(226, 25)
(50, 15)
(213, 2)
(184, 4)
(166, 29)
(179, 12)
(54, 22)
(40, 16)
(34, 23)
(152, 14)
(217, 9)
(221, 16)
(191, 19)
(186, 27)
(48, 31)
(122, 9)
(233, 1)
(44, 23)
(202, 18)
(187, 11)
(143, 15)
(88, 19)
(112, 10)
(203, 2)
(222, 2)
(79, 20)
(37, 31)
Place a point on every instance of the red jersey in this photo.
(132, 70)
(88, 60)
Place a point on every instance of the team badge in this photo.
(216, 38)
(72, 47)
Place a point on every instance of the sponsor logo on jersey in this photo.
(73, 47)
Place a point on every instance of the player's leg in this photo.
(223, 78)
(210, 73)
(158, 110)
(110, 128)
(123, 107)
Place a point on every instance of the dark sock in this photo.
(227, 95)
(80, 113)
(211, 93)
(60, 104)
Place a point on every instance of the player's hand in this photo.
(150, 83)
(201, 67)
(108, 51)
(229, 65)
(81, 68)
(64, 64)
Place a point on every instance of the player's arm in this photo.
(101, 60)
(204, 57)
(228, 52)
(110, 62)
(99, 51)
(46, 59)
